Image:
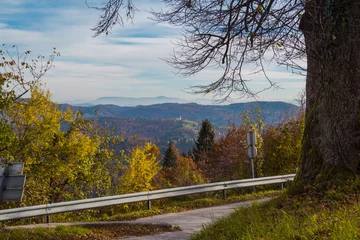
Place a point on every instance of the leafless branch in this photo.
(227, 35)
(110, 15)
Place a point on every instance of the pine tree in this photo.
(170, 157)
(205, 140)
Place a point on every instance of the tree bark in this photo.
(331, 142)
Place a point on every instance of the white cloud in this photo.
(119, 64)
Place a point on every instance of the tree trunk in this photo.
(331, 142)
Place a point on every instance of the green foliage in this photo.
(88, 231)
(282, 146)
(205, 140)
(171, 156)
(60, 232)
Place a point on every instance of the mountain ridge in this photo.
(145, 101)
(178, 122)
(220, 115)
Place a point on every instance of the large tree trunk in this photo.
(331, 143)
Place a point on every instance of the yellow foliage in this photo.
(143, 165)
(60, 164)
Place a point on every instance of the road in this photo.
(189, 221)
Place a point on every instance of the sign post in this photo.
(252, 150)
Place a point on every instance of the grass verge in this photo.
(103, 232)
(333, 214)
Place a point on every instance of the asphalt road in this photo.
(190, 221)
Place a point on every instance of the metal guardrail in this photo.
(48, 209)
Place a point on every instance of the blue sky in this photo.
(126, 63)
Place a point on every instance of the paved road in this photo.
(189, 221)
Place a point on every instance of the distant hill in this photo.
(219, 115)
(178, 122)
(159, 131)
(132, 102)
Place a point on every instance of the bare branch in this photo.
(110, 15)
(227, 35)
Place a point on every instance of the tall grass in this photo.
(334, 214)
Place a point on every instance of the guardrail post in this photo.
(282, 186)
(48, 219)
(149, 204)
(224, 193)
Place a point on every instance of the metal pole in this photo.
(224, 194)
(282, 186)
(149, 204)
(252, 168)
(253, 171)
(48, 219)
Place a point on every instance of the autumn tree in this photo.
(171, 156)
(205, 140)
(228, 160)
(184, 173)
(18, 75)
(282, 146)
(142, 166)
(60, 164)
(324, 35)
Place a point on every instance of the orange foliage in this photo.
(185, 173)
(228, 160)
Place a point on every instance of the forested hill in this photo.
(218, 115)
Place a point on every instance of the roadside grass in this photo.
(96, 232)
(334, 214)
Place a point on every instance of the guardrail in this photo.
(48, 209)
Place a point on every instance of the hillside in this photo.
(159, 131)
(218, 115)
(177, 122)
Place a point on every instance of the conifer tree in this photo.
(205, 140)
(170, 157)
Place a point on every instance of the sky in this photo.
(125, 63)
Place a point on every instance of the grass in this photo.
(334, 214)
(103, 232)
(190, 124)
